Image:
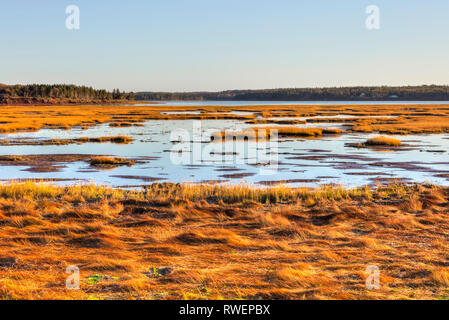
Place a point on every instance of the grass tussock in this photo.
(110, 139)
(383, 141)
(121, 124)
(292, 131)
(173, 241)
(102, 161)
(262, 133)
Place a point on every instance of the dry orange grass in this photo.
(267, 132)
(206, 242)
(110, 161)
(383, 141)
(113, 139)
(11, 158)
(292, 131)
(408, 119)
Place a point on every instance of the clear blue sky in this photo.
(186, 45)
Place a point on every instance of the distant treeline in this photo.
(43, 92)
(431, 92)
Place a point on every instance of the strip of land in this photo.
(403, 119)
(44, 142)
(410, 93)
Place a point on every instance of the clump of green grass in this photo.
(383, 141)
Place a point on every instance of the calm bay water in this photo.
(307, 162)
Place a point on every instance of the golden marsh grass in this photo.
(406, 119)
(173, 241)
(383, 141)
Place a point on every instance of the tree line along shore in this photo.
(406, 93)
(45, 94)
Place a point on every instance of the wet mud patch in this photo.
(409, 166)
(340, 165)
(237, 175)
(147, 158)
(41, 180)
(42, 169)
(442, 175)
(228, 169)
(367, 174)
(141, 178)
(334, 156)
(288, 181)
(436, 151)
(387, 181)
(380, 147)
(42, 162)
(212, 181)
